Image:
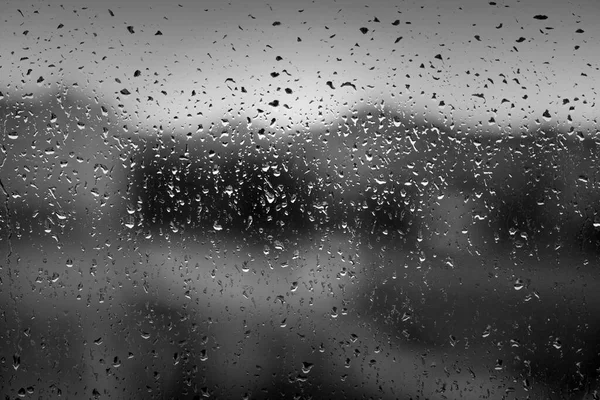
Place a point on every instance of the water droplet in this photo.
(270, 197)
(203, 355)
(547, 116)
(449, 262)
(245, 266)
(453, 340)
(130, 222)
(498, 365)
(518, 284)
(306, 367)
(16, 361)
(487, 331)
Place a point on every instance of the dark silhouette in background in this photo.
(374, 174)
(71, 173)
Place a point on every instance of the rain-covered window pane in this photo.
(299, 199)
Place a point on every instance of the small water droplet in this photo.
(306, 367)
(498, 365)
(453, 340)
(518, 284)
(557, 343)
(487, 331)
(16, 361)
(270, 197)
(203, 355)
(245, 266)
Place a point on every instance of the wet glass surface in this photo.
(299, 200)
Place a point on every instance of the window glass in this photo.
(299, 200)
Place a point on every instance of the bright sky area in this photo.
(473, 61)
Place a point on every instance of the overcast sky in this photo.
(505, 60)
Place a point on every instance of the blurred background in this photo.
(299, 200)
